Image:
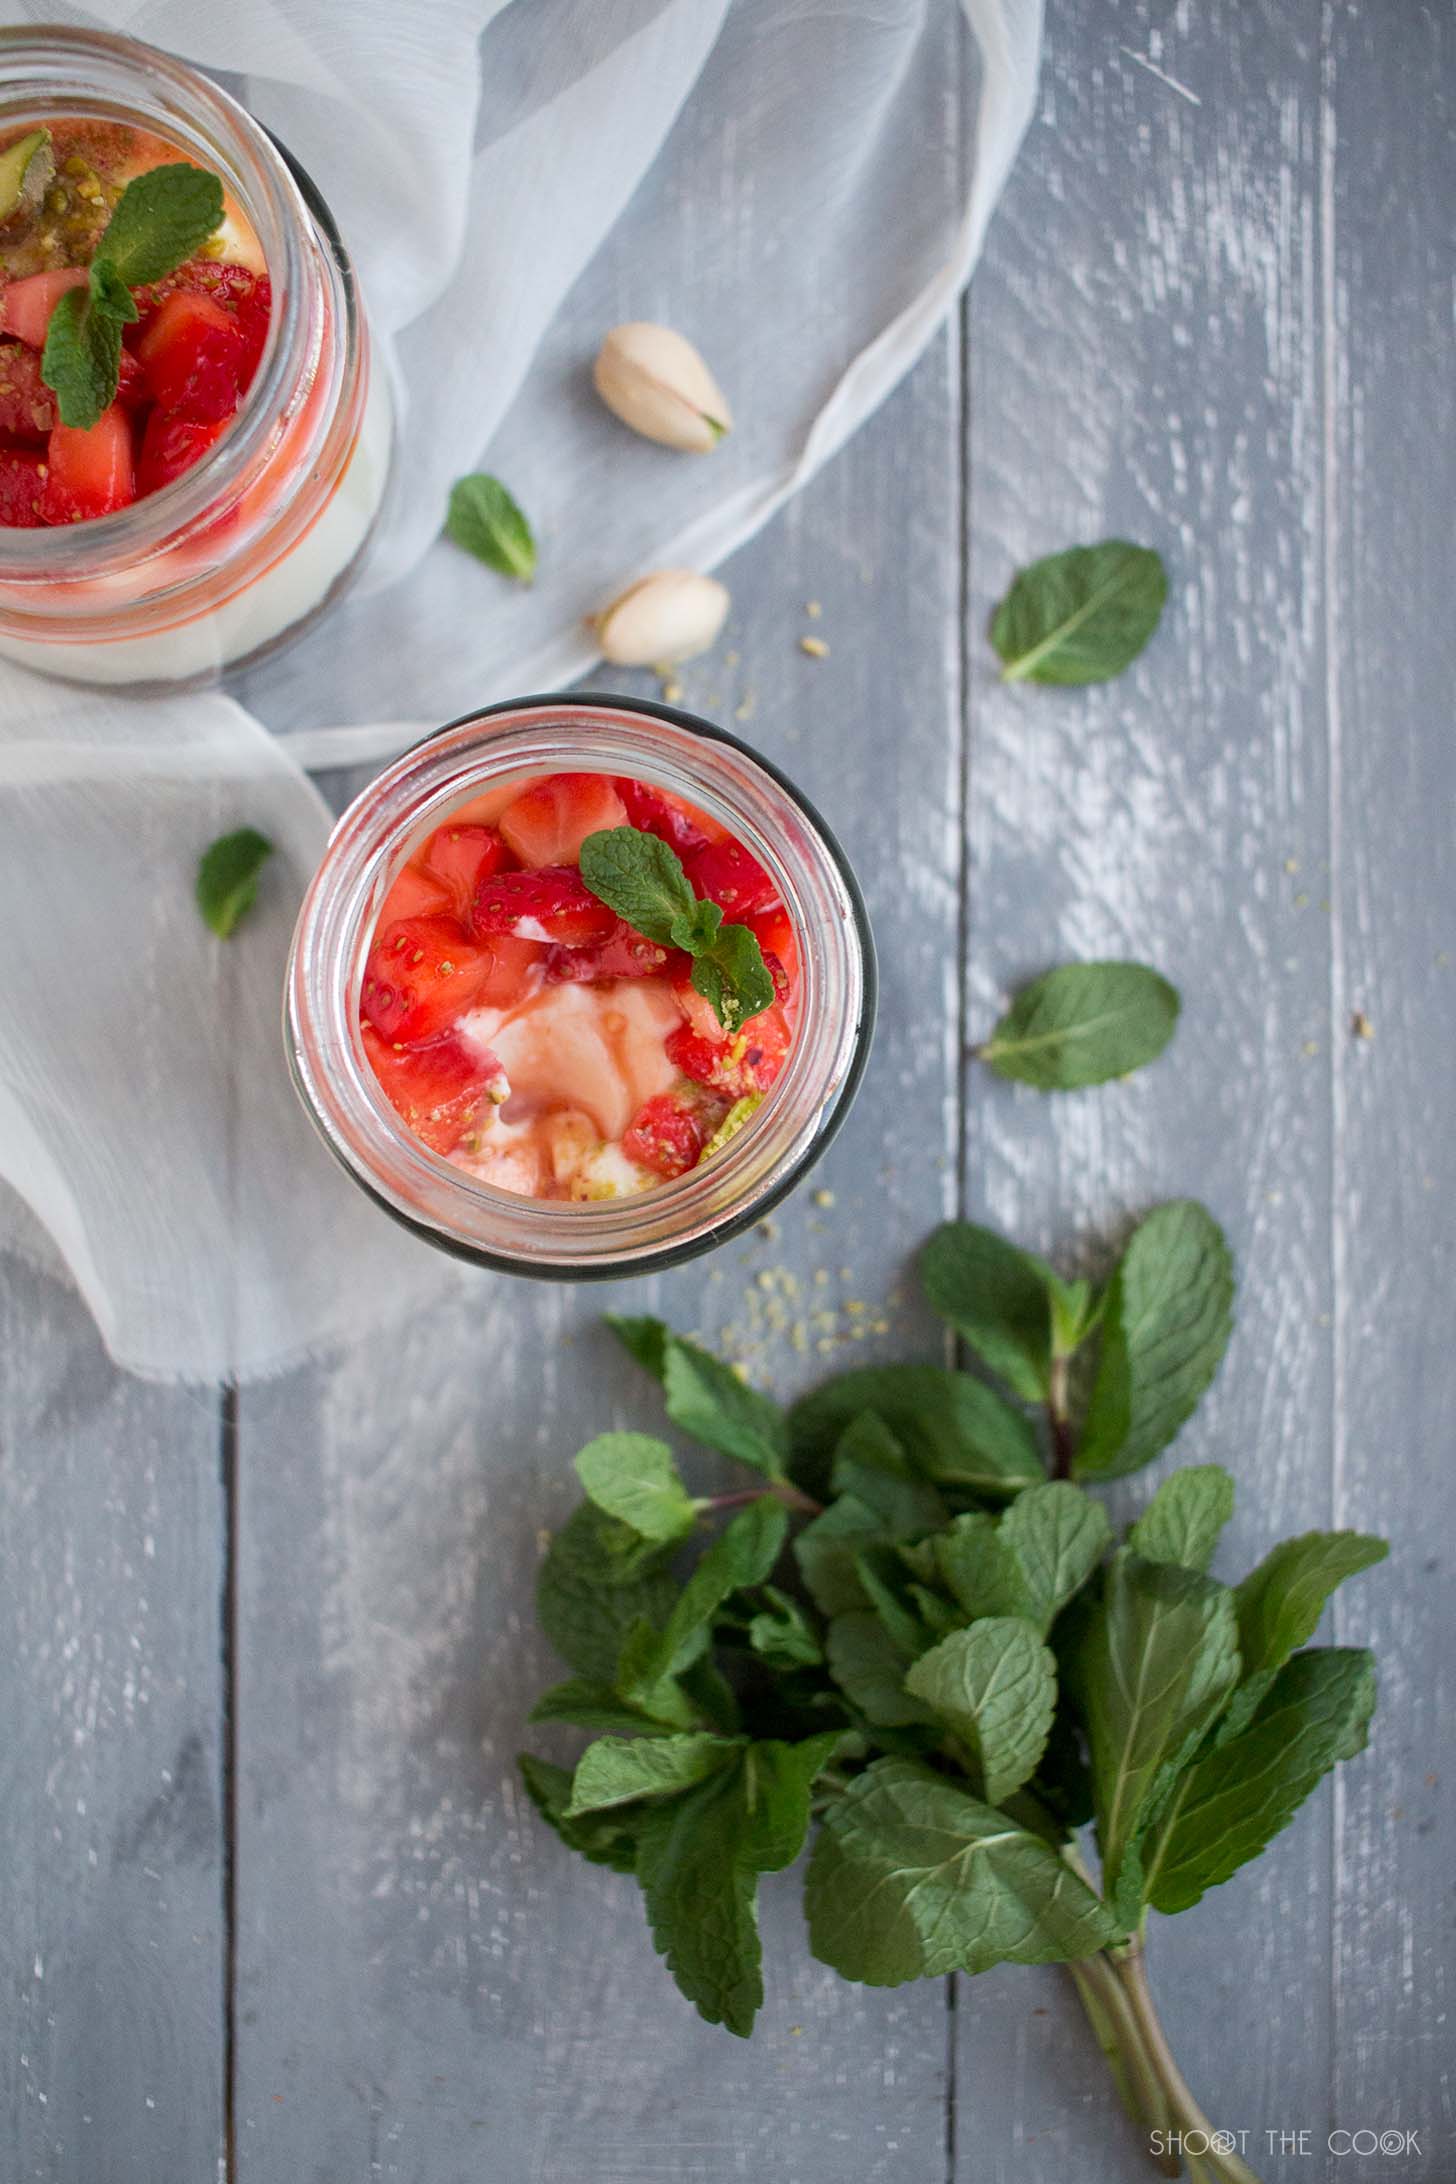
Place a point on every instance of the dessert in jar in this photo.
(581, 987)
(215, 486)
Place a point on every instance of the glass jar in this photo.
(257, 537)
(641, 1231)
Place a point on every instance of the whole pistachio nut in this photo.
(656, 382)
(671, 615)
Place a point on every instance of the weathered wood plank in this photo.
(111, 2069)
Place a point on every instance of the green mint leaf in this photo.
(483, 518)
(1083, 1024)
(1081, 616)
(617, 1770)
(1062, 1782)
(1232, 1802)
(732, 976)
(227, 878)
(643, 1338)
(996, 1298)
(696, 929)
(869, 1668)
(911, 1878)
(955, 1430)
(1057, 1535)
(111, 296)
(1168, 1321)
(871, 1464)
(641, 878)
(599, 1579)
(588, 1705)
(162, 218)
(706, 1397)
(994, 1687)
(743, 1554)
(1280, 1603)
(634, 1479)
(81, 361)
(827, 1552)
(883, 1575)
(608, 1838)
(978, 1566)
(781, 1633)
(1076, 1308)
(1156, 1662)
(1184, 1518)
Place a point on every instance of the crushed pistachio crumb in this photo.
(815, 647)
(1361, 1025)
(824, 1198)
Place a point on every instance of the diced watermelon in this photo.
(625, 954)
(460, 858)
(549, 904)
(27, 406)
(657, 812)
(667, 1134)
(725, 873)
(421, 976)
(22, 488)
(193, 353)
(89, 473)
(548, 824)
(26, 305)
(171, 445)
(444, 1091)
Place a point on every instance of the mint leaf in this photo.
(994, 1687)
(1232, 1803)
(608, 1838)
(995, 1297)
(642, 879)
(588, 1705)
(1083, 1024)
(81, 360)
(644, 1338)
(977, 1564)
(483, 518)
(1168, 1321)
(227, 876)
(871, 1464)
(1184, 1518)
(162, 218)
(955, 1430)
(1057, 1535)
(911, 1878)
(781, 1633)
(743, 1554)
(634, 1478)
(1080, 616)
(869, 1668)
(828, 1549)
(597, 1581)
(1280, 1603)
(706, 1397)
(616, 1770)
(731, 974)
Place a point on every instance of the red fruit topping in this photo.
(26, 307)
(774, 932)
(171, 445)
(655, 812)
(193, 355)
(442, 1091)
(669, 1132)
(748, 1062)
(725, 873)
(460, 858)
(131, 383)
(22, 484)
(27, 406)
(625, 955)
(89, 473)
(421, 975)
(516, 968)
(413, 894)
(551, 904)
(548, 824)
(246, 297)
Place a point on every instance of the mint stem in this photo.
(1060, 1424)
(782, 1490)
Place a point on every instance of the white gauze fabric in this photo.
(802, 187)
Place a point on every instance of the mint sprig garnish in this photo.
(643, 880)
(488, 522)
(227, 878)
(161, 219)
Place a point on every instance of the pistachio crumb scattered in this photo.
(813, 609)
(815, 647)
(1311, 1046)
(1361, 1025)
(746, 707)
(1291, 865)
(824, 1198)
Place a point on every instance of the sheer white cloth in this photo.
(802, 186)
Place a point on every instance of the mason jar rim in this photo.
(674, 1220)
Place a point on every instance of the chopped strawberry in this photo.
(422, 974)
(22, 486)
(667, 1134)
(748, 1062)
(624, 954)
(517, 968)
(460, 858)
(548, 824)
(192, 353)
(774, 932)
(89, 473)
(442, 1091)
(656, 812)
(131, 383)
(26, 306)
(413, 894)
(246, 296)
(725, 873)
(549, 904)
(27, 406)
(171, 445)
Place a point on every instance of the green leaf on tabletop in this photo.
(634, 1478)
(781, 1634)
(615, 1770)
(994, 1686)
(743, 1554)
(977, 1564)
(888, 1589)
(81, 360)
(827, 1551)
(1184, 1518)
(706, 1397)
(227, 878)
(644, 1338)
(607, 1838)
(869, 1668)
(642, 879)
(1083, 1024)
(162, 218)
(1168, 1321)
(1080, 616)
(1155, 1663)
(911, 1878)
(1233, 1801)
(486, 521)
(995, 1297)
(588, 1705)
(1280, 1603)
(955, 1430)
(1058, 1535)
(598, 1579)
(871, 1464)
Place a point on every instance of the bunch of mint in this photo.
(954, 1669)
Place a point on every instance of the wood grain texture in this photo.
(111, 1900)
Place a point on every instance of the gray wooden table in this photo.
(272, 1908)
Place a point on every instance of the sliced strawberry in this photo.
(131, 384)
(443, 1091)
(624, 955)
(89, 473)
(413, 894)
(26, 307)
(422, 974)
(171, 445)
(748, 1062)
(22, 487)
(774, 932)
(193, 353)
(550, 904)
(517, 969)
(548, 824)
(460, 858)
(656, 812)
(246, 296)
(667, 1134)
(27, 406)
(725, 873)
